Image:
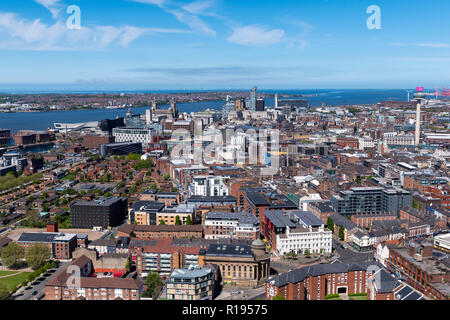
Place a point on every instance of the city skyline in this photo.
(218, 44)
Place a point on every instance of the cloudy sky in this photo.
(223, 44)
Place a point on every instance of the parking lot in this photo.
(36, 290)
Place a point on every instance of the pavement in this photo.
(23, 294)
(242, 293)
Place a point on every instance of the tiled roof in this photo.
(300, 274)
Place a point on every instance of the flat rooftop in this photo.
(429, 265)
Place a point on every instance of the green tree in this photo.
(307, 253)
(188, 220)
(162, 222)
(37, 255)
(330, 224)
(45, 208)
(153, 283)
(12, 254)
(166, 177)
(341, 233)
(154, 186)
(177, 221)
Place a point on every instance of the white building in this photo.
(399, 140)
(208, 186)
(298, 240)
(231, 225)
(366, 142)
(134, 135)
(442, 242)
(303, 232)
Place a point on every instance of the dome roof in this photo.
(258, 243)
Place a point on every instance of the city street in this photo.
(242, 293)
(349, 255)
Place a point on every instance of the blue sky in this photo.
(223, 44)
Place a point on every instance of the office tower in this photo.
(260, 105)
(104, 212)
(252, 104)
(240, 105)
(276, 100)
(227, 107)
(419, 97)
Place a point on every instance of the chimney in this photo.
(52, 227)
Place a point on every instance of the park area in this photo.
(12, 278)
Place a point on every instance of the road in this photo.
(351, 256)
(242, 293)
(40, 288)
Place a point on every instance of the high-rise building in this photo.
(260, 105)
(252, 104)
(419, 97)
(365, 200)
(239, 105)
(228, 107)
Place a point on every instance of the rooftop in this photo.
(229, 250)
(192, 272)
(241, 217)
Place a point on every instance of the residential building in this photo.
(161, 231)
(296, 231)
(193, 283)
(144, 213)
(233, 225)
(316, 281)
(62, 287)
(208, 186)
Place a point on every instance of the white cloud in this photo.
(23, 34)
(254, 35)
(435, 45)
(199, 7)
(52, 5)
(194, 22)
(187, 14)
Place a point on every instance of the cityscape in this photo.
(251, 194)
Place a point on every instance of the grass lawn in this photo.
(358, 298)
(13, 281)
(5, 273)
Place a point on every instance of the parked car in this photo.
(34, 293)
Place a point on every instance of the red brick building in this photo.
(65, 287)
(161, 232)
(366, 220)
(316, 281)
(350, 142)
